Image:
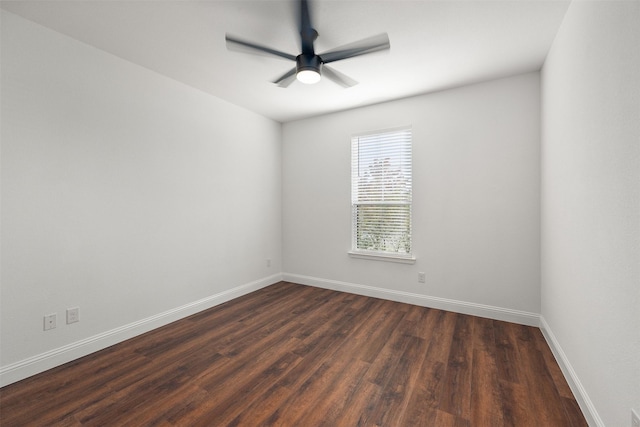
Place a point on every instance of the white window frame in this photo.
(356, 198)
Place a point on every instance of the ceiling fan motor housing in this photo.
(308, 63)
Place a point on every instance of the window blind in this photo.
(381, 192)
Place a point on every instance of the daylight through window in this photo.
(381, 192)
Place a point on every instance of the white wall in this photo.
(591, 205)
(476, 198)
(124, 193)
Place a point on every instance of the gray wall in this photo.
(124, 193)
(591, 203)
(476, 209)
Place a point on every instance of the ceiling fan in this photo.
(310, 66)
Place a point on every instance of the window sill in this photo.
(403, 259)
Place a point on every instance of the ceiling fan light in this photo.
(308, 76)
(308, 68)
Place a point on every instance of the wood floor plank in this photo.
(442, 337)
(231, 400)
(456, 396)
(517, 408)
(293, 355)
(424, 401)
(507, 356)
(573, 413)
(445, 419)
(336, 397)
(331, 369)
(485, 391)
(541, 387)
(552, 365)
(400, 384)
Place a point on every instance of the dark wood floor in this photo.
(292, 355)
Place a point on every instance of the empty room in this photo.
(320, 213)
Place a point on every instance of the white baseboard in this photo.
(481, 310)
(585, 403)
(56, 357)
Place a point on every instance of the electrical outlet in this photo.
(268, 262)
(635, 419)
(73, 315)
(422, 277)
(50, 322)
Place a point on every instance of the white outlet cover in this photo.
(50, 322)
(73, 315)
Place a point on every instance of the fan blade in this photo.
(287, 78)
(249, 47)
(362, 47)
(336, 76)
(307, 34)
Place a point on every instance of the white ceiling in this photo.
(434, 44)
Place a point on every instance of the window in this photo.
(381, 195)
